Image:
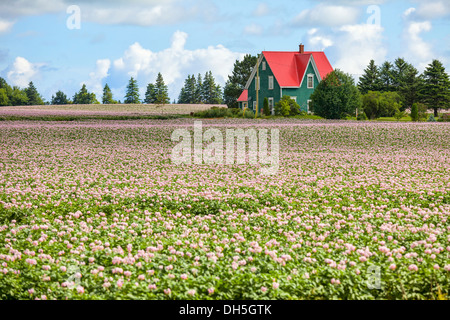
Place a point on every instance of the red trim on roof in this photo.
(289, 67)
(243, 97)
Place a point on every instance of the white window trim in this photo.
(257, 83)
(270, 82)
(271, 106)
(307, 107)
(294, 98)
(310, 76)
(254, 105)
(264, 66)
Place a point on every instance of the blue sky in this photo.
(40, 40)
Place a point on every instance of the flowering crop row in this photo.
(97, 210)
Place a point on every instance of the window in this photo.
(294, 98)
(254, 105)
(270, 82)
(310, 81)
(256, 83)
(264, 66)
(271, 105)
(308, 106)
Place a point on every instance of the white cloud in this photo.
(408, 12)
(433, 9)
(95, 78)
(418, 51)
(357, 45)
(253, 29)
(174, 63)
(133, 12)
(21, 72)
(317, 41)
(262, 10)
(5, 25)
(327, 15)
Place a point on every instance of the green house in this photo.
(279, 73)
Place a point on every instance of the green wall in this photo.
(303, 93)
(264, 87)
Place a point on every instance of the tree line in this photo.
(198, 91)
(384, 91)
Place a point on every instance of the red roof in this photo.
(243, 97)
(289, 67)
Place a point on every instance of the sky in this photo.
(62, 44)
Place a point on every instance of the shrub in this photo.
(415, 112)
(431, 118)
(362, 116)
(266, 109)
(287, 107)
(422, 111)
(399, 114)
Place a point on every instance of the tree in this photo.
(198, 96)
(370, 104)
(287, 107)
(107, 96)
(399, 71)
(389, 104)
(212, 93)
(436, 88)
(60, 98)
(336, 96)
(34, 98)
(415, 112)
(238, 79)
(18, 97)
(266, 109)
(409, 88)
(132, 95)
(381, 104)
(190, 91)
(84, 97)
(150, 94)
(386, 77)
(370, 80)
(4, 99)
(162, 95)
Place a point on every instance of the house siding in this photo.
(303, 94)
(264, 87)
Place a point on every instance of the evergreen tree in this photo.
(150, 94)
(409, 88)
(386, 77)
(198, 90)
(162, 91)
(266, 109)
(399, 72)
(34, 98)
(370, 80)
(107, 96)
(60, 98)
(212, 93)
(84, 97)
(238, 79)
(415, 112)
(336, 96)
(436, 87)
(132, 95)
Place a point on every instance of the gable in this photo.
(289, 68)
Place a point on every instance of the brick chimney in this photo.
(301, 48)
